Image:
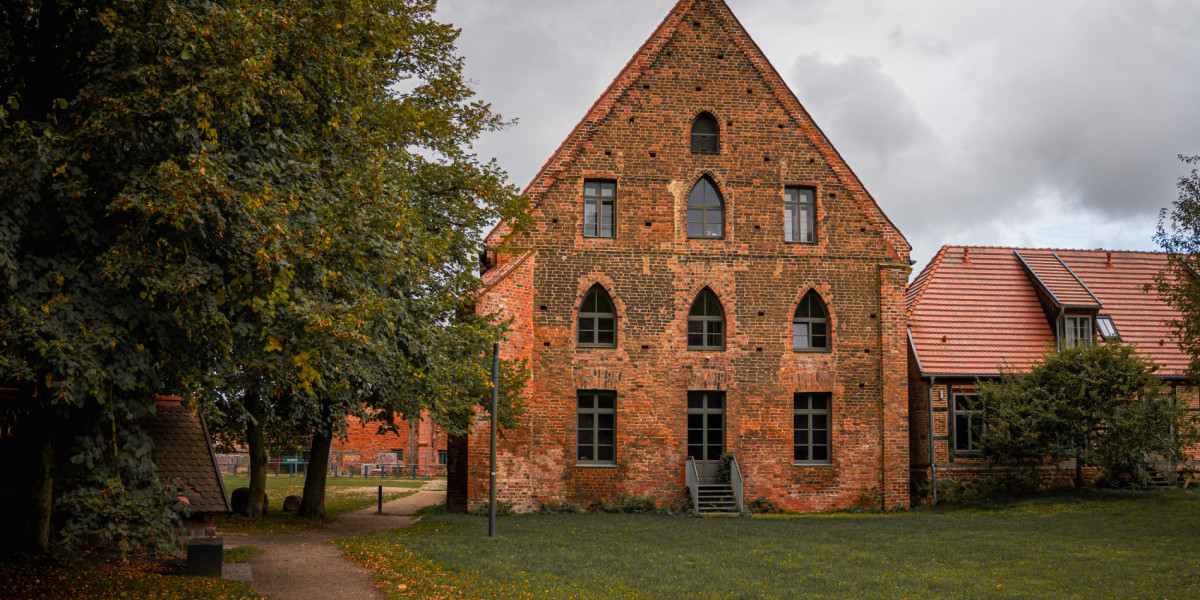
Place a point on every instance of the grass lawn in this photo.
(342, 494)
(1084, 545)
(93, 577)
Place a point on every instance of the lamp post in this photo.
(492, 471)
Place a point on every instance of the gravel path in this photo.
(305, 566)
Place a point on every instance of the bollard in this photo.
(381, 499)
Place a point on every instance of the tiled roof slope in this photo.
(1049, 271)
(183, 453)
(1141, 317)
(637, 67)
(972, 317)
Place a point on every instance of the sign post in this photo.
(492, 476)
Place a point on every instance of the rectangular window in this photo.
(968, 424)
(443, 457)
(1078, 331)
(596, 433)
(799, 215)
(599, 198)
(1108, 329)
(810, 425)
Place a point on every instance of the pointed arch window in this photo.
(706, 323)
(706, 211)
(706, 137)
(810, 325)
(597, 320)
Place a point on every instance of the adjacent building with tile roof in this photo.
(703, 274)
(183, 453)
(976, 312)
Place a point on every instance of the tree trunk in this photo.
(37, 530)
(258, 455)
(1078, 472)
(313, 502)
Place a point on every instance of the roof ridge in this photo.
(650, 49)
(542, 172)
(924, 277)
(1049, 249)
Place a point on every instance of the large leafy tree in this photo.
(1100, 405)
(271, 202)
(1179, 284)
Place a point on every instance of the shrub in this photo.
(503, 509)
(560, 508)
(763, 505)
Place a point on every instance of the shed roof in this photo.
(183, 453)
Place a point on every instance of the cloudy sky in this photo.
(1014, 122)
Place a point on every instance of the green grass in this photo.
(240, 554)
(1088, 545)
(340, 497)
(95, 577)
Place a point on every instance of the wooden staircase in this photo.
(716, 500)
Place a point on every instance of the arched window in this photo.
(597, 320)
(706, 323)
(705, 135)
(706, 218)
(810, 325)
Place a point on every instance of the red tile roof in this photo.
(973, 316)
(1049, 272)
(183, 453)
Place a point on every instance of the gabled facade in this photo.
(704, 274)
(974, 312)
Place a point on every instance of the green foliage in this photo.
(1045, 546)
(626, 504)
(1016, 481)
(1100, 405)
(560, 508)
(764, 506)
(1178, 235)
(504, 508)
(724, 474)
(230, 198)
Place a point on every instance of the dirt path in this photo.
(307, 566)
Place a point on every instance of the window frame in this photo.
(702, 142)
(704, 320)
(974, 447)
(1072, 326)
(599, 202)
(595, 411)
(1101, 320)
(810, 321)
(810, 412)
(443, 457)
(705, 211)
(595, 318)
(794, 231)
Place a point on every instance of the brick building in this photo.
(974, 311)
(390, 451)
(704, 274)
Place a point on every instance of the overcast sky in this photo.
(1031, 123)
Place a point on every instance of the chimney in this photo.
(1108, 256)
(967, 254)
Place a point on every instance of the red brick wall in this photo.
(364, 442)
(654, 272)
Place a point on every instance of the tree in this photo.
(1179, 235)
(1100, 405)
(268, 201)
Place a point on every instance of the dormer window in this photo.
(1108, 329)
(705, 135)
(1077, 331)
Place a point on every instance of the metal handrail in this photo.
(693, 483)
(735, 479)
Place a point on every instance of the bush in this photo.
(724, 473)
(503, 509)
(560, 508)
(763, 505)
(1010, 481)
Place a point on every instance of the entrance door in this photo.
(706, 432)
